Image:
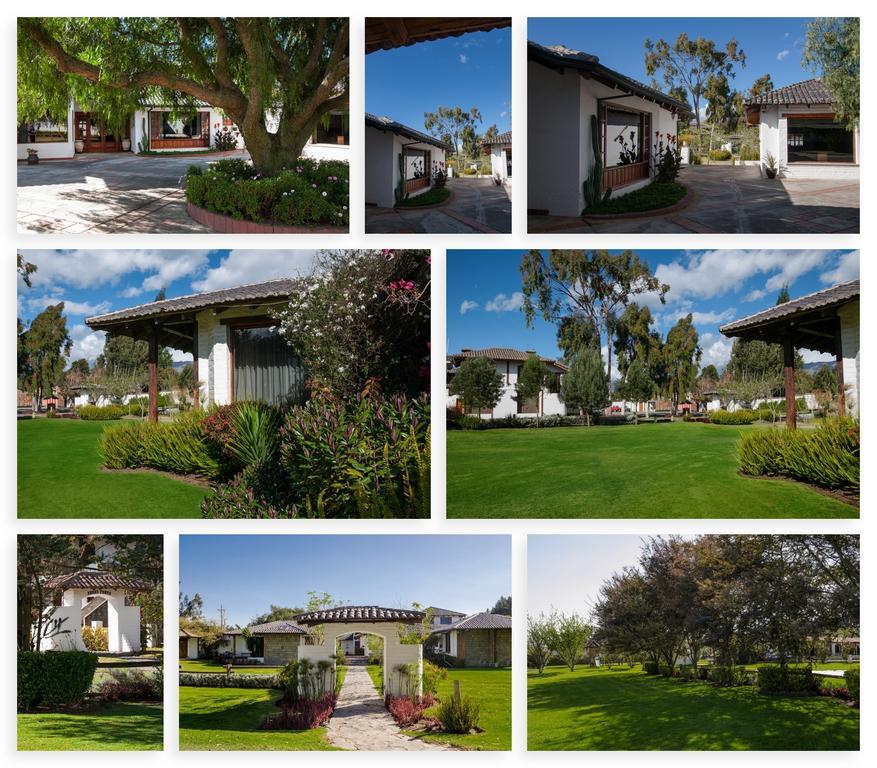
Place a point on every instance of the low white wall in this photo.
(61, 629)
(327, 151)
(52, 150)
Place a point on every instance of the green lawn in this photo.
(119, 726)
(651, 470)
(59, 475)
(228, 719)
(621, 709)
(433, 196)
(209, 665)
(492, 688)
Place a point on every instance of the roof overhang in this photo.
(386, 33)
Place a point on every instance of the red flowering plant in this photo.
(666, 158)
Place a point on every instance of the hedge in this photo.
(773, 678)
(651, 667)
(728, 676)
(54, 678)
(743, 416)
(101, 412)
(827, 456)
(851, 678)
(222, 680)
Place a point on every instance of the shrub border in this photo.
(690, 194)
(227, 225)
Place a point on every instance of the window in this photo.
(42, 131)
(818, 140)
(180, 128)
(626, 134)
(415, 163)
(334, 133)
(265, 367)
(445, 620)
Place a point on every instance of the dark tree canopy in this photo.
(294, 67)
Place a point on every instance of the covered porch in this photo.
(827, 322)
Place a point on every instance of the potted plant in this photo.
(33, 157)
(497, 179)
(770, 166)
(79, 146)
(126, 145)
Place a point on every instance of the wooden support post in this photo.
(789, 369)
(153, 374)
(839, 369)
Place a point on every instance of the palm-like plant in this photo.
(255, 428)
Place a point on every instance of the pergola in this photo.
(810, 322)
(369, 620)
(173, 322)
(385, 33)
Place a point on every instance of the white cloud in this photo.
(86, 343)
(782, 54)
(503, 303)
(464, 59)
(810, 356)
(242, 267)
(74, 308)
(468, 306)
(847, 269)
(758, 293)
(707, 318)
(716, 350)
(181, 357)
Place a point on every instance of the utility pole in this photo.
(221, 617)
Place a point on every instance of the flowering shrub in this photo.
(122, 685)
(310, 192)
(459, 714)
(224, 140)
(301, 714)
(95, 638)
(101, 412)
(363, 316)
(261, 491)
(666, 157)
(408, 710)
(367, 457)
(222, 680)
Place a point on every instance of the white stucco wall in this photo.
(773, 138)
(192, 648)
(380, 168)
(849, 324)
(499, 161)
(52, 150)
(61, 629)
(123, 622)
(327, 151)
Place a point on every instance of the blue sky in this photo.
(473, 70)
(247, 574)
(565, 572)
(91, 282)
(772, 46)
(484, 296)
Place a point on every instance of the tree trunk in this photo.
(25, 609)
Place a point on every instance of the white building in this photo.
(91, 598)
(509, 363)
(156, 127)
(399, 159)
(797, 128)
(500, 151)
(565, 90)
(238, 353)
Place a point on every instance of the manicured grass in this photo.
(376, 673)
(625, 709)
(60, 476)
(651, 470)
(208, 665)
(492, 688)
(228, 719)
(123, 726)
(433, 196)
(656, 195)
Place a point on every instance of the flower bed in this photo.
(654, 197)
(301, 714)
(223, 680)
(435, 196)
(408, 710)
(310, 193)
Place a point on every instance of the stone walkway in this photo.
(108, 193)
(361, 720)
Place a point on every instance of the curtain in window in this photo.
(265, 367)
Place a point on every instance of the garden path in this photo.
(361, 720)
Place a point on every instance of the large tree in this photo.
(451, 123)
(595, 285)
(294, 68)
(124, 355)
(477, 383)
(688, 64)
(583, 387)
(682, 354)
(761, 85)
(43, 351)
(531, 381)
(832, 52)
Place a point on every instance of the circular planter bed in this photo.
(427, 206)
(679, 205)
(219, 222)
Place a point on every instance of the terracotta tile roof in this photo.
(352, 613)
(91, 578)
(806, 92)
(560, 57)
(388, 124)
(501, 138)
(187, 633)
(282, 627)
(503, 353)
(242, 294)
(480, 621)
(829, 297)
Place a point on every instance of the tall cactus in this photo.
(400, 185)
(591, 185)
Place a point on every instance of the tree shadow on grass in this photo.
(120, 726)
(226, 711)
(632, 711)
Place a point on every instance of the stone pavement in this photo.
(737, 200)
(107, 193)
(361, 720)
(476, 205)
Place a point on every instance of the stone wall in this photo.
(280, 649)
(485, 647)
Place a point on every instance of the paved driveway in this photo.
(117, 193)
(733, 199)
(476, 205)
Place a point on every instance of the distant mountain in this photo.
(813, 367)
